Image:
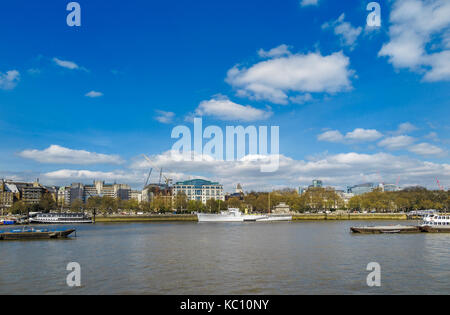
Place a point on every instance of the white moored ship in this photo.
(60, 218)
(235, 215)
(436, 223)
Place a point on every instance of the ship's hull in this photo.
(60, 222)
(242, 218)
(11, 236)
(202, 217)
(385, 229)
(435, 229)
(276, 218)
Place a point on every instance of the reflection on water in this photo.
(231, 258)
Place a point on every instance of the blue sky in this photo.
(353, 103)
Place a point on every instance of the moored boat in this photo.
(60, 218)
(390, 229)
(235, 215)
(435, 223)
(32, 233)
(7, 222)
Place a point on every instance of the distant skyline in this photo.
(354, 104)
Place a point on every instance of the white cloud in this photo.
(360, 134)
(94, 94)
(426, 149)
(340, 170)
(357, 135)
(56, 154)
(282, 50)
(276, 78)
(415, 26)
(164, 117)
(305, 3)
(405, 128)
(396, 143)
(331, 136)
(9, 80)
(346, 32)
(66, 64)
(432, 136)
(222, 108)
(301, 99)
(77, 175)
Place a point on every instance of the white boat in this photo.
(60, 218)
(436, 223)
(235, 215)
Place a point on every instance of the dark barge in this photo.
(32, 233)
(391, 229)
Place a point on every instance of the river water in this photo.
(229, 258)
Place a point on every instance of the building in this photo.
(345, 196)
(82, 192)
(64, 196)
(317, 183)
(136, 195)
(200, 190)
(150, 192)
(361, 189)
(389, 187)
(281, 208)
(8, 194)
(31, 193)
(239, 189)
(76, 192)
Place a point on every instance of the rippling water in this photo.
(253, 258)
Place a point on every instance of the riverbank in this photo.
(296, 217)
(350, 216)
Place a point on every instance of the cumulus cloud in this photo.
(360, 134)
(222, 108)
(305, 3)
(56, 154)
(331, 136)
(279, 77)
(426, 149)
(357, 135)
(94, 94)
(405, 128)
(396, 143)
(80, 175)
(344, 30)
(417, 25)
(164, 117)
(282, 50)
(9, 80)
(66, 64)
(339, 170)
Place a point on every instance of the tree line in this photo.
(313, 200)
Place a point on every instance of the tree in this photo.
(19, 207)
(47, 203)
(77, 205)
(181, 202)
(109, 204)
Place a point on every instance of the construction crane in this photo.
(148, 178)
(398, 181)
(167, 180)
(439, 185)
